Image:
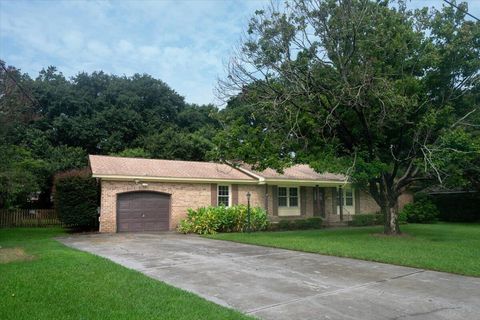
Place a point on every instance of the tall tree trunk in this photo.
(386, 197)
(391, 224)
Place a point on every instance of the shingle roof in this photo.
(296, 172)
(153, 168)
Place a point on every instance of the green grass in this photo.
(63, 283)
(445, 247)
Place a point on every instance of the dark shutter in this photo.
(275, 200)
(321, 197)
(266, 198)
(234, 194)
(357, 200)
(334, 200)
(318, 201)
(213, 188)
(303, 201)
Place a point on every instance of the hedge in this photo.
(210, 220)
(76, 199)
(297, 224)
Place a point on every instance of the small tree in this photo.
(76, 199)
(386, 95)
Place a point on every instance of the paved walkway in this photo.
(281, 284)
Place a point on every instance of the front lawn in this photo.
(444, 246)
(43, 279)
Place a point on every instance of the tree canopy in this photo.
(51, 123)
(386, 95)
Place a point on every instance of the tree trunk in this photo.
(391, 221)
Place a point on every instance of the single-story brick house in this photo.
(154, 195)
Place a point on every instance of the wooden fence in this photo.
(28, 218)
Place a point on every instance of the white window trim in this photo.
(229, 194)
(288, 197)
(347, 209)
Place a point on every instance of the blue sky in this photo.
(184, 43)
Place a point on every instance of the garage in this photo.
(143, 211)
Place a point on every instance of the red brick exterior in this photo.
(194, 195)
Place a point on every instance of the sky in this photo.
(183, 43)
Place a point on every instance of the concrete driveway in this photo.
(281, 284)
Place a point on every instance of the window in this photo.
(347, 196)
(288, 197)
(223, 196)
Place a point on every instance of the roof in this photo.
(120, 168)
(296, 172)
(108, 166)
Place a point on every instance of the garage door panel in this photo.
(143, 211)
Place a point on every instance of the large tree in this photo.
(50, 124)
(386, 95)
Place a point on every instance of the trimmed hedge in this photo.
(298, 224)
(76, 200)
(361, 220)
(210, 220)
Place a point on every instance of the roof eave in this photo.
(172, 179)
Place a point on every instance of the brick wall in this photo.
(194, 195)
(183, 196)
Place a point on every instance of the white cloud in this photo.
(184, 43)
(181, 42)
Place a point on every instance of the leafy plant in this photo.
(422, 210)
(210, 220)
(360, 220)
(299, 224)
(76, 199)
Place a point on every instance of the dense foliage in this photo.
(297, 224)
(361, 220)
(210, 220)
(371, 89)
(423, 210)
(50, 124)
(458, 207)
(77, 199)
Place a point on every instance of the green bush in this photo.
(76, 200)
(285, 225)
(360, 220)
(210, 220)
(422, 210)
(299, 224)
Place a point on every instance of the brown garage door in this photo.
(143, 211)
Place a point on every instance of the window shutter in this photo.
(213, 188)
(303, 201)
(275, 200)
(334, 200)
(357, 200)
(234, 194)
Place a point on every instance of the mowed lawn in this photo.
(445, 247)
(56, 282)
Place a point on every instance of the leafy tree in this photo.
(21, 176)
(386, 95)
(133, 153)
(57, 122)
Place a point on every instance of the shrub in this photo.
(422, 210)
(360, 220)
(285, 225)
(299, 224)
(76, 199)
(209, 220)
